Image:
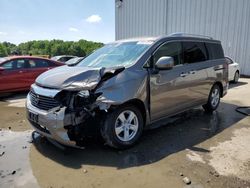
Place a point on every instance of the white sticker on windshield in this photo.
(147, 42)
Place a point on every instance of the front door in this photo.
(14, 76)
(168, 90)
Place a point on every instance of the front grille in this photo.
(43, 102)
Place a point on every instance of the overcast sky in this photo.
(24, 20)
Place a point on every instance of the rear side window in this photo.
(215, 51)
(194, 52)
(52, 64)
(39, 63)
(67, 58)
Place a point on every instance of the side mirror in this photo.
(165, 63)
(1, 69)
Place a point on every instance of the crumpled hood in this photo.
(75, 77)
(66, 77)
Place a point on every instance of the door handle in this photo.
(183, 74)
(192, 72)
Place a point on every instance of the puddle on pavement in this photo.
(148, 156)
(14, 160)
(190, 128)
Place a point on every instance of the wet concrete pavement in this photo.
(15, 167)
(212, 150)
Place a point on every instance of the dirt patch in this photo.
(226, 158)
(13, 118)
(13, 113)
(193, 156)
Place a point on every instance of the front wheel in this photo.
(213, 99)
(123, 127)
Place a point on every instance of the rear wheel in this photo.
(213, 99)
(236, 77)
(123, 127)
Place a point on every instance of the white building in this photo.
(225, 20)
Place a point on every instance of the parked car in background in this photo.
(74, 61)
(128, 86)
(62, 58)
(233, 70)
(17, 73)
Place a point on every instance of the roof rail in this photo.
(189, 35)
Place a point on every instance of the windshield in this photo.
(55, 58)
(73, 60)
(116, 54)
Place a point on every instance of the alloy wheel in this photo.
(126, 125)
(215, 97)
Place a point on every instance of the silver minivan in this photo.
(128, 86)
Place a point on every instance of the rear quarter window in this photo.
(215, 51)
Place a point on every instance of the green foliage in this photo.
(3, 50)
(51, 48)
(9, 47)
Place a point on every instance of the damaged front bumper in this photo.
(49, 123)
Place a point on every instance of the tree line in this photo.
(49, 48)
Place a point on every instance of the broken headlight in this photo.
(83, 93)
(84, 98)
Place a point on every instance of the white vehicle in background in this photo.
(62, 58)
(233, 70)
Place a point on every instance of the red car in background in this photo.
(17, 73)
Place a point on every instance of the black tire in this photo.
(108, 130)
(211, 104)
(236, 77)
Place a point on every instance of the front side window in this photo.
(9, 65)
(171, 49)
(116, 54)
(194, 52)
(14, 64)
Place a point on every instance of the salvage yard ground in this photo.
(211, 150)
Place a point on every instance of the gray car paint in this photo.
(162, 94)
